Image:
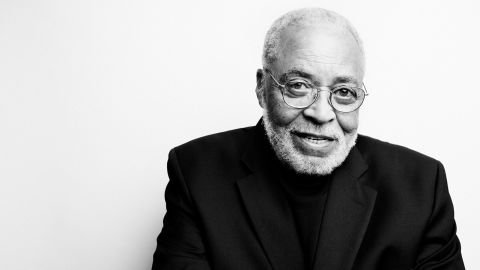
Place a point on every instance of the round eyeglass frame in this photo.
(319, 89)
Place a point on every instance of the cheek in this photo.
(279, 112)
(348, 121)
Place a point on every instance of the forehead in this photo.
(323, 51)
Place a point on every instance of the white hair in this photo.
(304, 17)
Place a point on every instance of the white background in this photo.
(94, 93)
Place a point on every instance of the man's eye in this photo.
(297, 85)
(345, 92)
(296, 89)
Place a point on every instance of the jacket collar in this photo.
(347, 211)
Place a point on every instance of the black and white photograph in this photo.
(239, 135)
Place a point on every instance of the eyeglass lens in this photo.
(343, 100)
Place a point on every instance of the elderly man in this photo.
(301, 190)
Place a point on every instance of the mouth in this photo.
(314, 144)
(314, 137)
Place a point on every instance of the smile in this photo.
(313, 137)
(313, 144)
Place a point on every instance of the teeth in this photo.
(314, 139)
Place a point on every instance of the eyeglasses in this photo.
(300, 94)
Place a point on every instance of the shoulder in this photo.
(210, 162)
(394, 159)
(384, 152)
(229, 141)
(213, 152)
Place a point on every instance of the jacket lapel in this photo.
(347, 213)
(268, 209)
(273, 221)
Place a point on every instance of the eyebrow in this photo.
(297, 72)
(345, 79)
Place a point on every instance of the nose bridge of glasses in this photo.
(323, 88)
(320, 107)
(318, 90)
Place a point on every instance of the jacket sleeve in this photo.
(180, 244)
(440, 248)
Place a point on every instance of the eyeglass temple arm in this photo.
(365, 89)
(271, 75)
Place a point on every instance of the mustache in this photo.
(311, 128)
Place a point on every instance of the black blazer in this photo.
(388, 208)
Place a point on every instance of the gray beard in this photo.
(281, 142)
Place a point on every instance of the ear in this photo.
(259, 90)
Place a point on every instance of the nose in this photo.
(320, 111)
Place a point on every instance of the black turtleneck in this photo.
(307, 196)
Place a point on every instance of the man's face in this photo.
(317, 139)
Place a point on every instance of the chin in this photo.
(282, 143)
